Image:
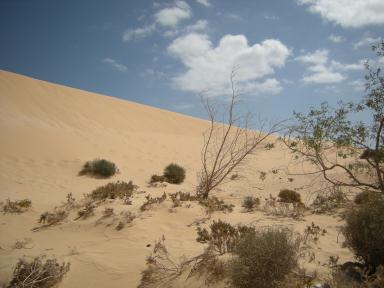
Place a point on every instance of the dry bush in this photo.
(157, 178)
(99, 168)
(86, 211)
(366, 196)
(51, 218)
(152, 201)
(312, 233)
(116, 190)
(179, 197)
(223, 237)
(328, 201)
(213, 204)
(18, 206)
(38, 274)
(357, 278)
(269, 146)
(126, 218)
(162, 268)
(282, 209)
(289, 196)
(263, 175)
(264, 258)
(250, 203)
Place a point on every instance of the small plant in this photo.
(151, 201)
(264, 258)
(249, 203)
(289, 196)
(213, 204)
(175, 174)
(234, 176)
(99, 168)
(290, 179)
(18, 206)
(119, 189)
(262, 176)
(364, 232)
(38, 273)
(223, 237)
(269, 146)
(275, 171)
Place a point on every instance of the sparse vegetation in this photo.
(313, 232)
(282, 209)
(152, 201)
(264, 258)
(327, 202)
(174, 174)
(223, 237)
(179, 197)
(269, 146)
(116, 190)
(52, 218)
(249, 203)
(157, 178)
(263, 175)
(86, 211)
(289, 196)
(366, 196)
(37, 273)
(99, 168)
(213, 204)
(18, 206)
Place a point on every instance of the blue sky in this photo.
(290, 54)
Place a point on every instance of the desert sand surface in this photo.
(49, 131)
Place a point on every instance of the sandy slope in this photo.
(48, 131)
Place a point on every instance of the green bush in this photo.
(174, 174)
(99, 168)
(122, 190)
(249, 203)
(38, 274)
(263, 259)
(364, 232)
(289, 196)
(365, 196)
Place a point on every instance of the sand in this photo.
(49, 131)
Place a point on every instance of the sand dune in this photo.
(47, 133)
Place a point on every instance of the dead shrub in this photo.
(116, 190)
(213, 204)
(37, 273)
(51, 218)
(147, 205)
(179, 197)
(18, 206)
(250, 203)
(282, 209)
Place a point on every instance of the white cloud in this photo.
(336, 38)
(116, 65)
(366, 40)
(348, 13)
(321, 70)
(138, 33)
(208, 67)
(198, 26)
(204, 2)
(170, 17)
(357, 85)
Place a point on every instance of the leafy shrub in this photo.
(249, 203)
(151, 201)
(223, 237)
(37, 273)
(269, 146)
(364, 232)
(213, 204)
(264, 258)
(365, 196)
(99, 168)
(174, 173)
(289, 196)
(119, 189)
(18, 206)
